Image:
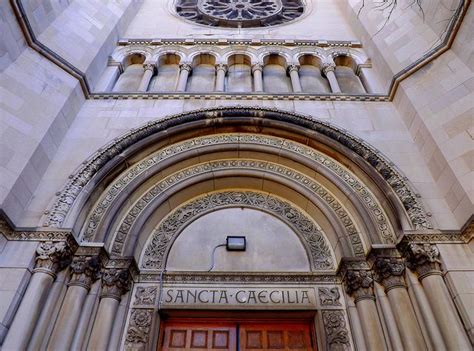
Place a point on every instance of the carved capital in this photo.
(257, 67)
(389, 272)
(185, 67)
(148, 66)
(327, 67)
(51, 257)
(292, 68)
(84, 271)
(221, 67)
(115, 283)
(360, 284)
(424, 259)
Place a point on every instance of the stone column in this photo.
(51, 258)
(114, 284)
(360, 285)
(390, 324)
(84, 270)
(184, 70)
(390, 272)
(149, 69)
(295, 78)
(328, 71)
(221, 70)
(257, 77)
(424, 259)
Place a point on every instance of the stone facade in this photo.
(137, 135)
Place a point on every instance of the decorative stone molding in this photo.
(337, 335)
(360, 284)
(138, 330)
(257, 67)
(389, 271)
(146, 296)
(115, 283)
(293, 67)
(84, 271)
(52, 257)
(67, 197)
(185, 67)
(329, 296)
(157, 247)
(423, 258)
(221, 67)
(148, 67)
(327, 67)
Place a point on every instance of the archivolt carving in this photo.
(236, 164)
(162, 238)
(67, 197)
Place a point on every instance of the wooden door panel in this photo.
(275, 337)
(199, 336)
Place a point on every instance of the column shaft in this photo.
(357, 332)
(221, 70)
(391, 324)
(444, 310)
(295, 78)
(410, 332)
(183, 77)
(103, 324)
(68, 319)
(147, 74)
(29, 311)
(257, 78)
(371, 324)
(331, 76)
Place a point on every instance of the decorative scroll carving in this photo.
(360, 284)
(424, 258)
(329, 296)
(115, 283)
(239, 13)
(337, 335)
(145, 296)
(84, 270)
(237, 164)
(138, 329)
(390, 272)
(52, 257)
(157, 247)
(407, 196)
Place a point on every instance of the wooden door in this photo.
(198, 336)
(275, 337)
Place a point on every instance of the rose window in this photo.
(239, 13)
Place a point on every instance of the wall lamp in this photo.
(236, 243)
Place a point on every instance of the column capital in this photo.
(148, 66)
(257, 67)
(84, 271)
(327, 67)
(221, 67)
(115, 283)
(360, 284)
(423, 258)
(293, 67)
(389, 271)
(185, 67)
(51, 257)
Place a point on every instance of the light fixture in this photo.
(236, 243)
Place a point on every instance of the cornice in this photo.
(49, 54)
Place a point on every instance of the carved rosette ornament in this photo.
(390, 272)
(138, 329)
(424, 259)
(52, 257)
(115, 283)
(337, 335)
(84, 271)
(360, 285)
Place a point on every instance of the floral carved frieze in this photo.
(310, 233)
(67, 197)
(139, 328)
(337, 335)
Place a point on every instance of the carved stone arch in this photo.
(121, 54)
(240, 50)
(170, 49)
(69, 203)
(317, 52)
(157, 247)
(207, 50)
(358, 56)
(274, 50)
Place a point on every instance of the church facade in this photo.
(236, 175)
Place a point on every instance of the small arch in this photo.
(239, 75)
(129, 80)
(347, 79)
(168, 73)
(275, 79)
(203, 75)
(310, 75)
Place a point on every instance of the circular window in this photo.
(239, 13)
